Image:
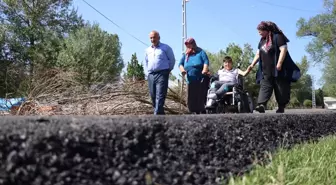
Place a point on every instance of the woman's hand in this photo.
(206, 73)
(250, 67)
(182, 70)
(279, 67)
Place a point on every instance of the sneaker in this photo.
(260, 108)
(209, 103)
(212, 96)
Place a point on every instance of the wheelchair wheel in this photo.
(211, 111)
(217, 109)
(245, 104)
(250, 103)
(240, 107)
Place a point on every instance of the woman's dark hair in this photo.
(271, 27)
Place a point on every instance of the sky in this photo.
(212, 23)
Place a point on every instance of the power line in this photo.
(287, 7)
(115, 23)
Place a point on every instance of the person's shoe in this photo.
(260, 108)
(209, 103)
(212, 96)
(280, 110)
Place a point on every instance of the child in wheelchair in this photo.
(227, 79)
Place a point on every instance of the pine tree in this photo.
(135, 71)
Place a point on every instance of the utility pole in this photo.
(184, 23)
(184, 38)
(313, 94)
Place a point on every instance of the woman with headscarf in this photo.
(195, 65)
(276, 68)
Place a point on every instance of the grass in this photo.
(305, 164)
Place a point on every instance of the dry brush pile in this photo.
(59, 93)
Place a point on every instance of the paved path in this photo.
(174, 149)
(301, 111)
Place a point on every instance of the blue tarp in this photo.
(7, 104)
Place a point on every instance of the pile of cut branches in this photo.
(55, 93)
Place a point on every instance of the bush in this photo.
(308, 103)
(294, 103)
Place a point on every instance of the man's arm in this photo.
(146, 59)
(171, 57)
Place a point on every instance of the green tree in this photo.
(216, 60)
(250, 80)
(172, 77)
(5, 64)
(239, 55)
(322, 29)
(319, 97)
(135, 71)
(32, 27)
(33, 37)
(308, 103)
(294, 103)
(330, 90)
(235, 52)
(93, 54)
(302, 90)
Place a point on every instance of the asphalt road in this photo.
(287, 111)
(172, 149)
(301, 111)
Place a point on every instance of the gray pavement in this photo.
(301, 111)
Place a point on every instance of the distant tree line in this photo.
(50, 35)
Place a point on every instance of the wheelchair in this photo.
(237, 100)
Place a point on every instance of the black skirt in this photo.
(197, 95)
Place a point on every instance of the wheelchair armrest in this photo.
(214, 78)
(238, 86)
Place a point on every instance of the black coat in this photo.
(289, 69)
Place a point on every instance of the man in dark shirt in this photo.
(272, 56)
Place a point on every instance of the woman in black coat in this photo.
(276, 68)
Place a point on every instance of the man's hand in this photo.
(204, 72)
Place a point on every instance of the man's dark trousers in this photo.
(158, 87)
